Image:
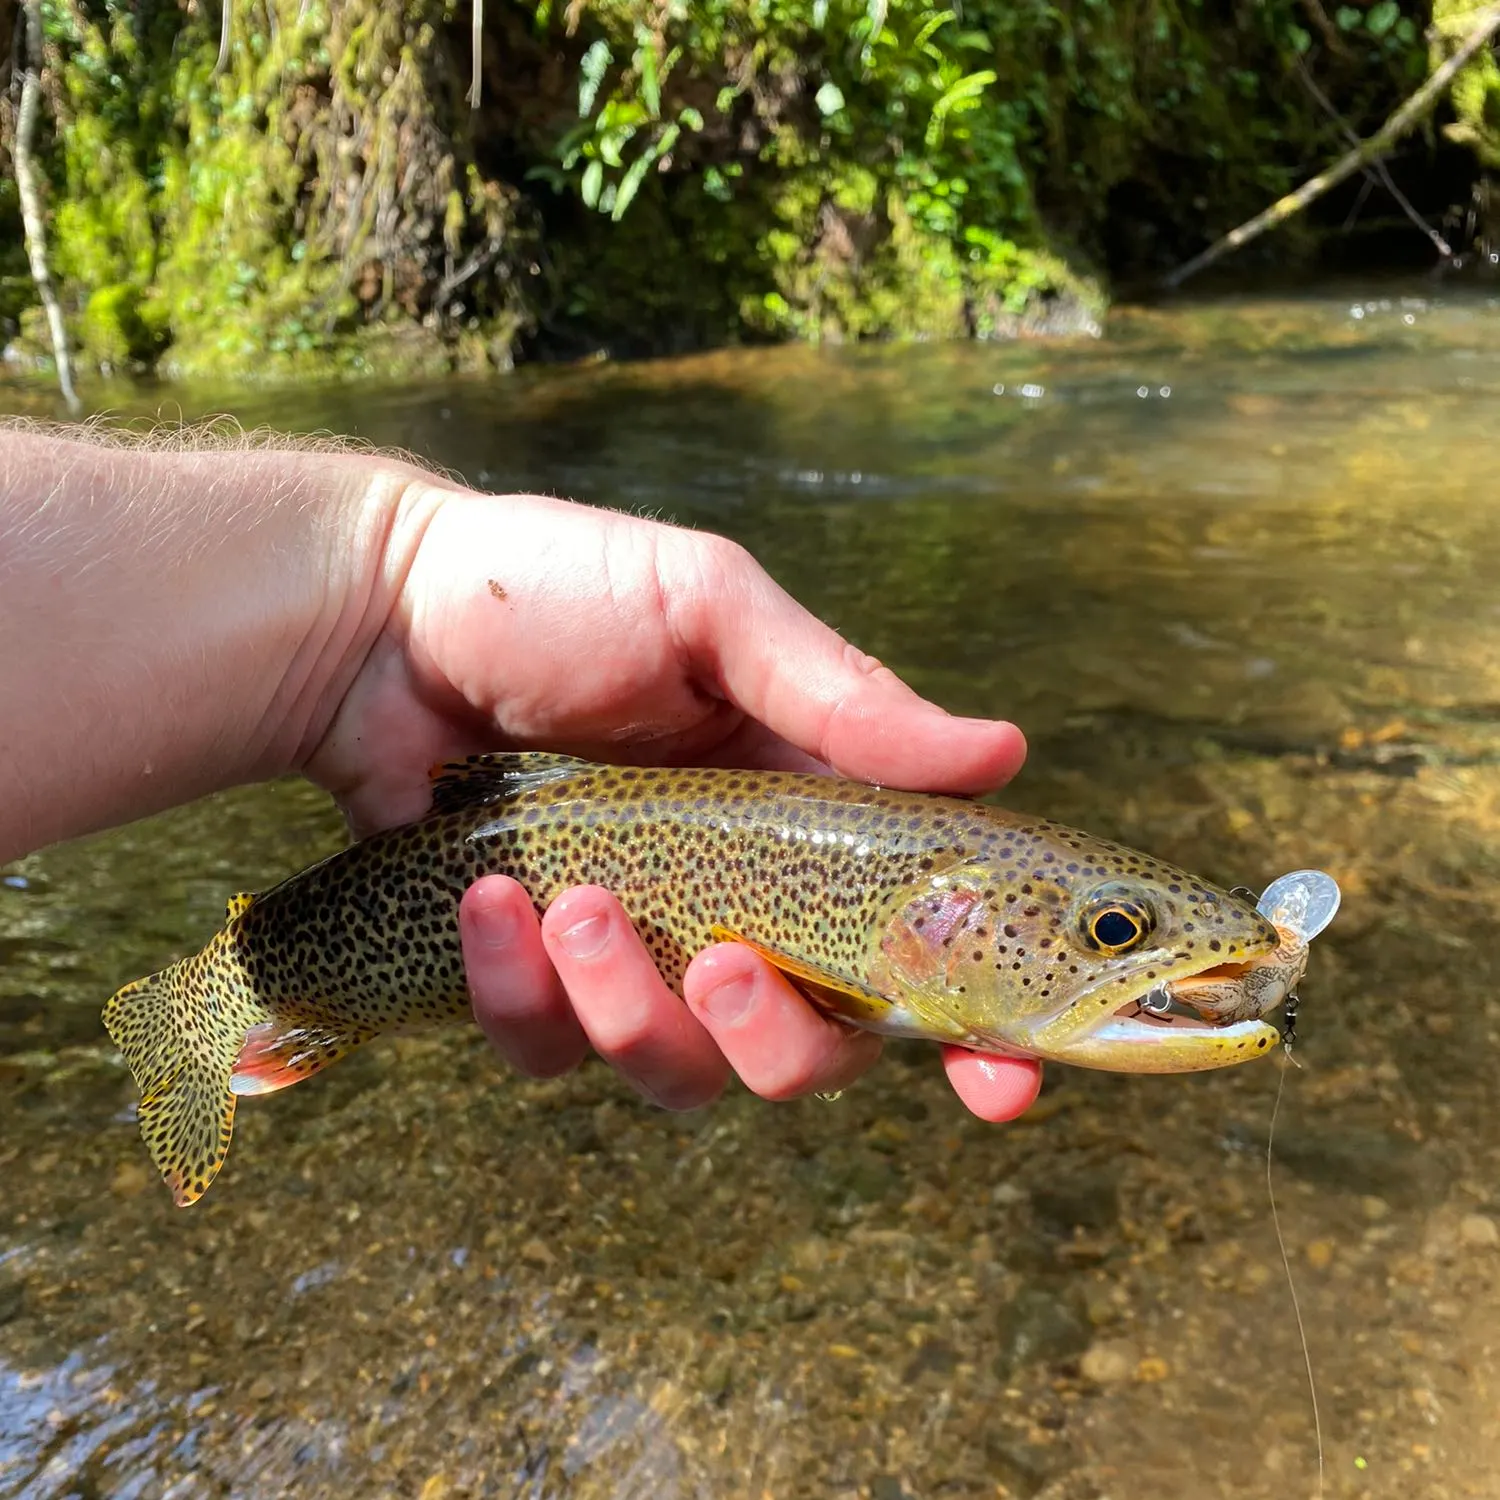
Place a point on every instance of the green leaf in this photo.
(645, 61)
(689, 118)
(829, 99)
(938, 19)
(1381, 17)
(630, 184)
(593, 180)
(591, 73)
(961, 95)
(1347, 18)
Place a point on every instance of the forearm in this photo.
(176, 620)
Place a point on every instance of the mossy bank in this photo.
(314, 191)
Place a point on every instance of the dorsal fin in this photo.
(490, 778)
(237, 905)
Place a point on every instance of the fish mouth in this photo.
(1217, 974)
(1168, 1004)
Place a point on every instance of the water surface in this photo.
(1236, 569)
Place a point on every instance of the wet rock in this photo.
(1023, 1468)
(1040, 1326)
(1478, 1232)
(129, 1180)
(1368, 1162)
(1089, 1201)
(936, 1356)
(1030, 1253)
(1101, 1304)
(1109, 1362)
(12, 1298)
(888, 1487)
(870, 1181)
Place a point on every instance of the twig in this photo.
(226, 30)
(478, 260)
(476, 46)
(1329, 32)
(1376, 169)
(1409, 114)
(32, 219)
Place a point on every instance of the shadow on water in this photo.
(1233, 569)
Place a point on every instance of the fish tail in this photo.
(181, 1032)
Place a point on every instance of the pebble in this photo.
(1320, 1254)
(1108, 1362)
(130, 1178)
(1479, 1232)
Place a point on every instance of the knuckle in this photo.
(622, 1030)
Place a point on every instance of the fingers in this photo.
(631, 1017)
(545, 992)
(519, 1001)
(802, 680)
(994, 1088)
(772, 1037)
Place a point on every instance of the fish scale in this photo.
(901, 912)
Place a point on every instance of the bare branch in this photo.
(1412, 112)
(33, 218)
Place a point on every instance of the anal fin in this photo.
(277, 1054)
(838, 994)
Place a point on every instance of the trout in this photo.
(899, 912)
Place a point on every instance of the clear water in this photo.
(1234, 569)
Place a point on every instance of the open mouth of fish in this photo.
(1171, 1004)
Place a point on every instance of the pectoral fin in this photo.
(839, 994)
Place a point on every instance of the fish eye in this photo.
(1113, 925)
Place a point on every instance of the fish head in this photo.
(1066, 947)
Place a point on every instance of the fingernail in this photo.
(729, 1002)
(585, 939)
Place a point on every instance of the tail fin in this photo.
(181, 1035)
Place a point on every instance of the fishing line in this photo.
(1291, 1283)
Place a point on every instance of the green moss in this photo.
(117, 328)
(655, 177)
(1476, 89)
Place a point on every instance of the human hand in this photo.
(521, 621)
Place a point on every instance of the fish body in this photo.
(899, 912)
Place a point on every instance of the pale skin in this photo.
(199, 613)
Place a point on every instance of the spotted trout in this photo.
(899, 912)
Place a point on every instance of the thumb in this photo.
(758, 647)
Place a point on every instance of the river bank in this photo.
(311, 192)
